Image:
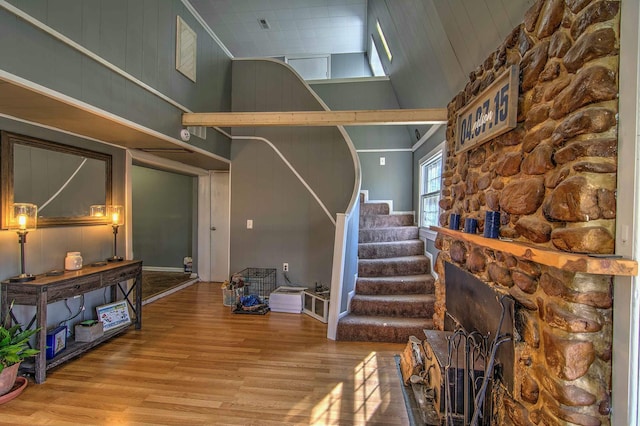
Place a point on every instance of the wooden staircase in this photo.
(394, 294)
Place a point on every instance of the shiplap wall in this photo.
(288, 223)
(138, 37)
(393, 180)
(436, 43)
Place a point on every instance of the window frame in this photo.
(437, 152)
(375, 64)
(383, 40)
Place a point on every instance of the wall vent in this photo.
(264, 24)
(199, 131)
(166, 150)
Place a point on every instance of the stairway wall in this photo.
(289, 225)
(393, 180)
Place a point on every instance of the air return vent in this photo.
(264, 24)
(199, 131)
(166, 150)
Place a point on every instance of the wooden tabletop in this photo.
(85, 271)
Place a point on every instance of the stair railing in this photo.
(345, 267)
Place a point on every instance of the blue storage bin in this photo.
(56, 341)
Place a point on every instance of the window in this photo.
(384, 41)
(430, 185)
(311, 68)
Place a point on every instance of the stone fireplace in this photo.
(553, 180)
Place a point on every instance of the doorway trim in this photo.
(202, 248)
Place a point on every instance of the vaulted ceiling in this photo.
(258, 28)
(435, 43)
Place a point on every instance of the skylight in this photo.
(384, 41)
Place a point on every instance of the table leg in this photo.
(138, 285)
(4, 307)
(40, 367)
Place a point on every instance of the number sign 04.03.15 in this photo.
(492, 113)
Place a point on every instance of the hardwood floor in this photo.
(196, 363)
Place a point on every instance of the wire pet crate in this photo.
(259, 281)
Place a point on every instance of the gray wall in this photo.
(139, 38)
(389, 182)
(288, 224)
(350, 65)
(163, 209)
(46, 247)
(393, 181)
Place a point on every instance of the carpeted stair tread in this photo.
(394, 305)
(394, 293)
(393, 266)
(374, 208)
(385, 221)
(390, 249)
(393, 233)
(365, 328)
(403, 284)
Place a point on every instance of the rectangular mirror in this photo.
(63, 181)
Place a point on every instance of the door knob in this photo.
(213, 228)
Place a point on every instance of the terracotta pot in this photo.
(8, 378)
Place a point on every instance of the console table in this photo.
(48, 289)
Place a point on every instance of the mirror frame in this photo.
(7, 142)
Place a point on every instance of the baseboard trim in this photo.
(350, 296)
(342, 315)
(162, 269)
(170, 291)
(365, 192)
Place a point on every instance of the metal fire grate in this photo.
(466, 386)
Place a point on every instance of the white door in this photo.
(220, 224)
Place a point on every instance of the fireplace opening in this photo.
(477, 308)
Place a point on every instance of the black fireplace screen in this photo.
(476, 307)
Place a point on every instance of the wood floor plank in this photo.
(194, 362)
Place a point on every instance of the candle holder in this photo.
(116, 215)
(98, 210)
(24, 218)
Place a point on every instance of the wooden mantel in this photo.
(316, 118)
(590, 264)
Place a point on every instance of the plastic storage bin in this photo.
(228, 297)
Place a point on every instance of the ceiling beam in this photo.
(316, 118)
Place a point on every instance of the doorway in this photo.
(163, 228)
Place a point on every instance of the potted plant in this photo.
(14, 348)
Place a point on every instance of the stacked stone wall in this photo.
(553, 178)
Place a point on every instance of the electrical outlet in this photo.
(249, 223)
(285, 267)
